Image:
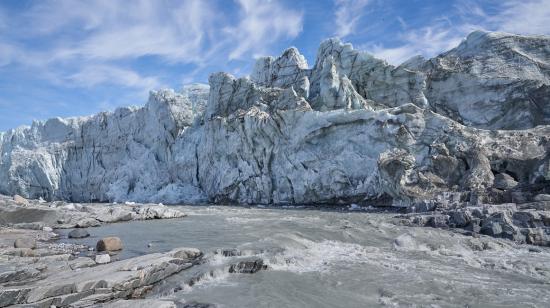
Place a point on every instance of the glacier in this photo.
(471, 124)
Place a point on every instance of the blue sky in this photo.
(70, 58)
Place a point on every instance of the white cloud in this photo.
(7, 54)
(118, 30)
(426, 41)
(88, 43)
(526, 17)
(261, 24)
(347, 14)
(93, 75)
(514, 16)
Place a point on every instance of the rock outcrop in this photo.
(471, 125)
(92, 285)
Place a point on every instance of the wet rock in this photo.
(537, 236)
(500, 224)
(198, 305)
(102, 258)
(231, 252)
(29, 225)
(542, 197)
(26, 252)
(9, 296)
(474, 226)
(158, 212)
(20, 200)
(115, 215)
(538, 205)
(460, 219)
(98, 284)
(88, 222)
(248, 267)
(25, 243)
(109, 244)
(491, 228)
(527, 219)
(504, 181)
(141, 303)
(81, 262)
(79, 233)
(19, 274)
(186, 253)
(438, 221)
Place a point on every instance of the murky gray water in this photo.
(338, 259)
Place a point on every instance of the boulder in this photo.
(439, 221)
(79, 233)
(187, 253)
(230, 252)
(500, 224)
(20, 200)
(29, 225)
(19, 274)
(542, 197)
(81, 262)
(537, 236)
(474, 226)
(25, 243)
(26, 252)
(504, 181)
(460, 219)
(103, 258)
(88, 222)
(248, 267)
(491, 228)
(109, 244)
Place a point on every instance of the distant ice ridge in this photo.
(351, 129)
(126, 155)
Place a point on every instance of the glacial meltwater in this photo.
(341, 258)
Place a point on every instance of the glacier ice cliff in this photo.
(472, 123)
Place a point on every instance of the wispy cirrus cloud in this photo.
(93, 75)
(262, 23)
(445, 32)
(347, 15)
(526, 17)
(84, 43)
(104, 33)
(170, 30)
(426, 41)
(118, 50)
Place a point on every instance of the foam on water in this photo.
(303, 255)
(342, 259)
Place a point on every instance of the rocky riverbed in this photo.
(39, 269)
(522, 222)
(289, 256)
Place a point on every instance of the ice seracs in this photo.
(351, 128)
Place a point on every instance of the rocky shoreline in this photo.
(38, 271)
(525, 222)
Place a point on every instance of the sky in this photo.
(72, 58)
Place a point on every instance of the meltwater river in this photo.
(321, 258)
